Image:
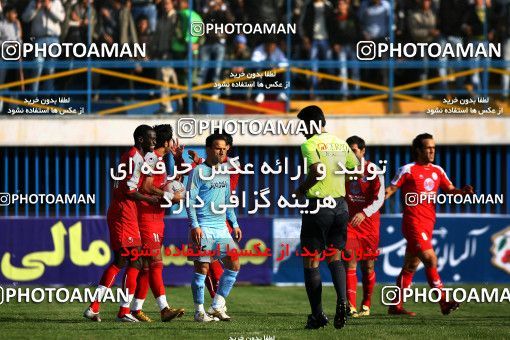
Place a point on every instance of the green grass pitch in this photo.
(256, 312)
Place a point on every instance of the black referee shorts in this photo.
(326, 228)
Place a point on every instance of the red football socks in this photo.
(352, 285)
(156, 278)
(129, 284)
(213, 277)
(434, 279)
(368, 288)
(404, 280)
(142, 285)
(107, 280)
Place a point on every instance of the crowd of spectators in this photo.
(327, 30)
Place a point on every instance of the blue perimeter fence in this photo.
(86, 88)
(86, 170)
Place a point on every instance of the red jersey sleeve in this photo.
(402, 175)
(134, 178)
(444, 181)
(150, 159)
(377, 199)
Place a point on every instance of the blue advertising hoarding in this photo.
(470, 248)
(75, 251)
(71, 251)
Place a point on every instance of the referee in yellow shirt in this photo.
(327, 227)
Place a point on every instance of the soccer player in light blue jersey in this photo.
(208, 231)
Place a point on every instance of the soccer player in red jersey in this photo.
(364, 198)
(418, 180)
(152, 227)
(215, 268)
(122, 219)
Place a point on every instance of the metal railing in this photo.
(368, 91)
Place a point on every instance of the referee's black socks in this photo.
(313, 285)
(339, 281)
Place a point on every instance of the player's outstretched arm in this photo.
(377, 200)
(177, 151)
(149, 188)
(465, 190)
(390, 190)
(135, 195)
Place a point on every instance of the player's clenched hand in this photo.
(357, 219)
(238, 234)
(178, 196)
(176, 149)
(468, 190)
(196, 235)
(194, 156)
(390, 191)
(154, 200)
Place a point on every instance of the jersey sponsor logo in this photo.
(218, 185)
(329, 154)
(331, 147)
(429, 184)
